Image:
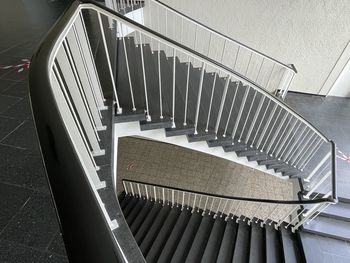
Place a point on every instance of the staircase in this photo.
(98, 70)
(169, 232)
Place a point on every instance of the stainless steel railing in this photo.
(274, 129)
(269, 73)
(290, 212)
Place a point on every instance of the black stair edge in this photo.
(329, 227)
(201, 136)
(156, 123)
(249, 152)
(130, 116)
(257, 251)
(235, 147)
(289, 168)
(269, 161)
(275, 166)
(259, 157)
(330, 212)
(220, 141)
(179, 130)
(121, 196)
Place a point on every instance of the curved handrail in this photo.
(201, 57)
(291, 66)
(238, 198)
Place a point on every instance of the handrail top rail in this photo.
(91, 4)
(291, 202)
(290, 67)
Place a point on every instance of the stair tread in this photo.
(274, 250)
(131, 204)
(175, 236)
(134, 212)
(329, 227)
(291, 249)
(154, 229)
(160, 240)
(214, 242)
(187, 238)
(241, 252)
(201, 238)
(340, 210)
(257, 244)
(134, 227)
(228, 242)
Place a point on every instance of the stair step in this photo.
(228, 242)
(274, 250)
(125, 201)
(200, 240)
(135, 211)
(187, 238)
(258, 157)
(220, 141)
(136, 224)
(154, 229)
(257, 244)
(162, 237)
(235, 147)
(285, 169)
(214, 242)
(269, 162)
(129, 116)
(147, 223)
(179, 130)
(329, 227)
(131, 204)
(156, 123)
(242, 248)
(291, 249)
(249, 152)
(201, 136)
(292, 174)
(276, 166)
(175, 236)
(340, 211)
(121, 196)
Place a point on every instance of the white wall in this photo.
(341, 87)
(311, 34)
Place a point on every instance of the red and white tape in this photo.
(19, 67)
(343, 156)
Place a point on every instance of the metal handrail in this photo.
(287, 66)
(238, 198)
(90, 4)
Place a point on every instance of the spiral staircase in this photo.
(132, 68)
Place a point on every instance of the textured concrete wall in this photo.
(311, 34)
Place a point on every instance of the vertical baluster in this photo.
(211, 102)
(250, 59)
(270, 77)
(155, 194)
(230, 112)
(281, 145)
(248, 114)
(292, 155)
(119, 109)
(148, 116)
(132, 189)
(236, 58)
(261, 121)
(160, 84)
(262, 135)
(272, 128)
(304, 152)
(277, 131)
(287, 88)
(240, 112)
(127, 68)
(223, 211)
(289, 142)
(125, 189)
(311, 154)
(183, 201)
(199, 98)
(174, 78)
(187, 83)
(256, 115)
(318, 166)
(282, 136)
(259, 71)
(223, 98)
(146, 190)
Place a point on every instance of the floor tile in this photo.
(16, 253)
(22, 168)
(7, 101)
(12, 198)
(35, 225)
(20, 111)
(24, 137)
(7, 125)
(57, 246)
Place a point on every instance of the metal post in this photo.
(119, 109)
(148, 116)
(246, 119)
(174, 78)
(277, 131)
(211, 101)
(272, 128)
(319, 165)
(261, 121)
(160, 84)
(187, 83)
(234, 65)
(199, 97)
(257, 113)
(230, 112)
(272, 113)
(223, 98)
(240, 112)
(281, 145)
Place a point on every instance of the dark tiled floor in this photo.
(331, 115)
(29, 230)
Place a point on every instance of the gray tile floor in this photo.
(29, 230)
